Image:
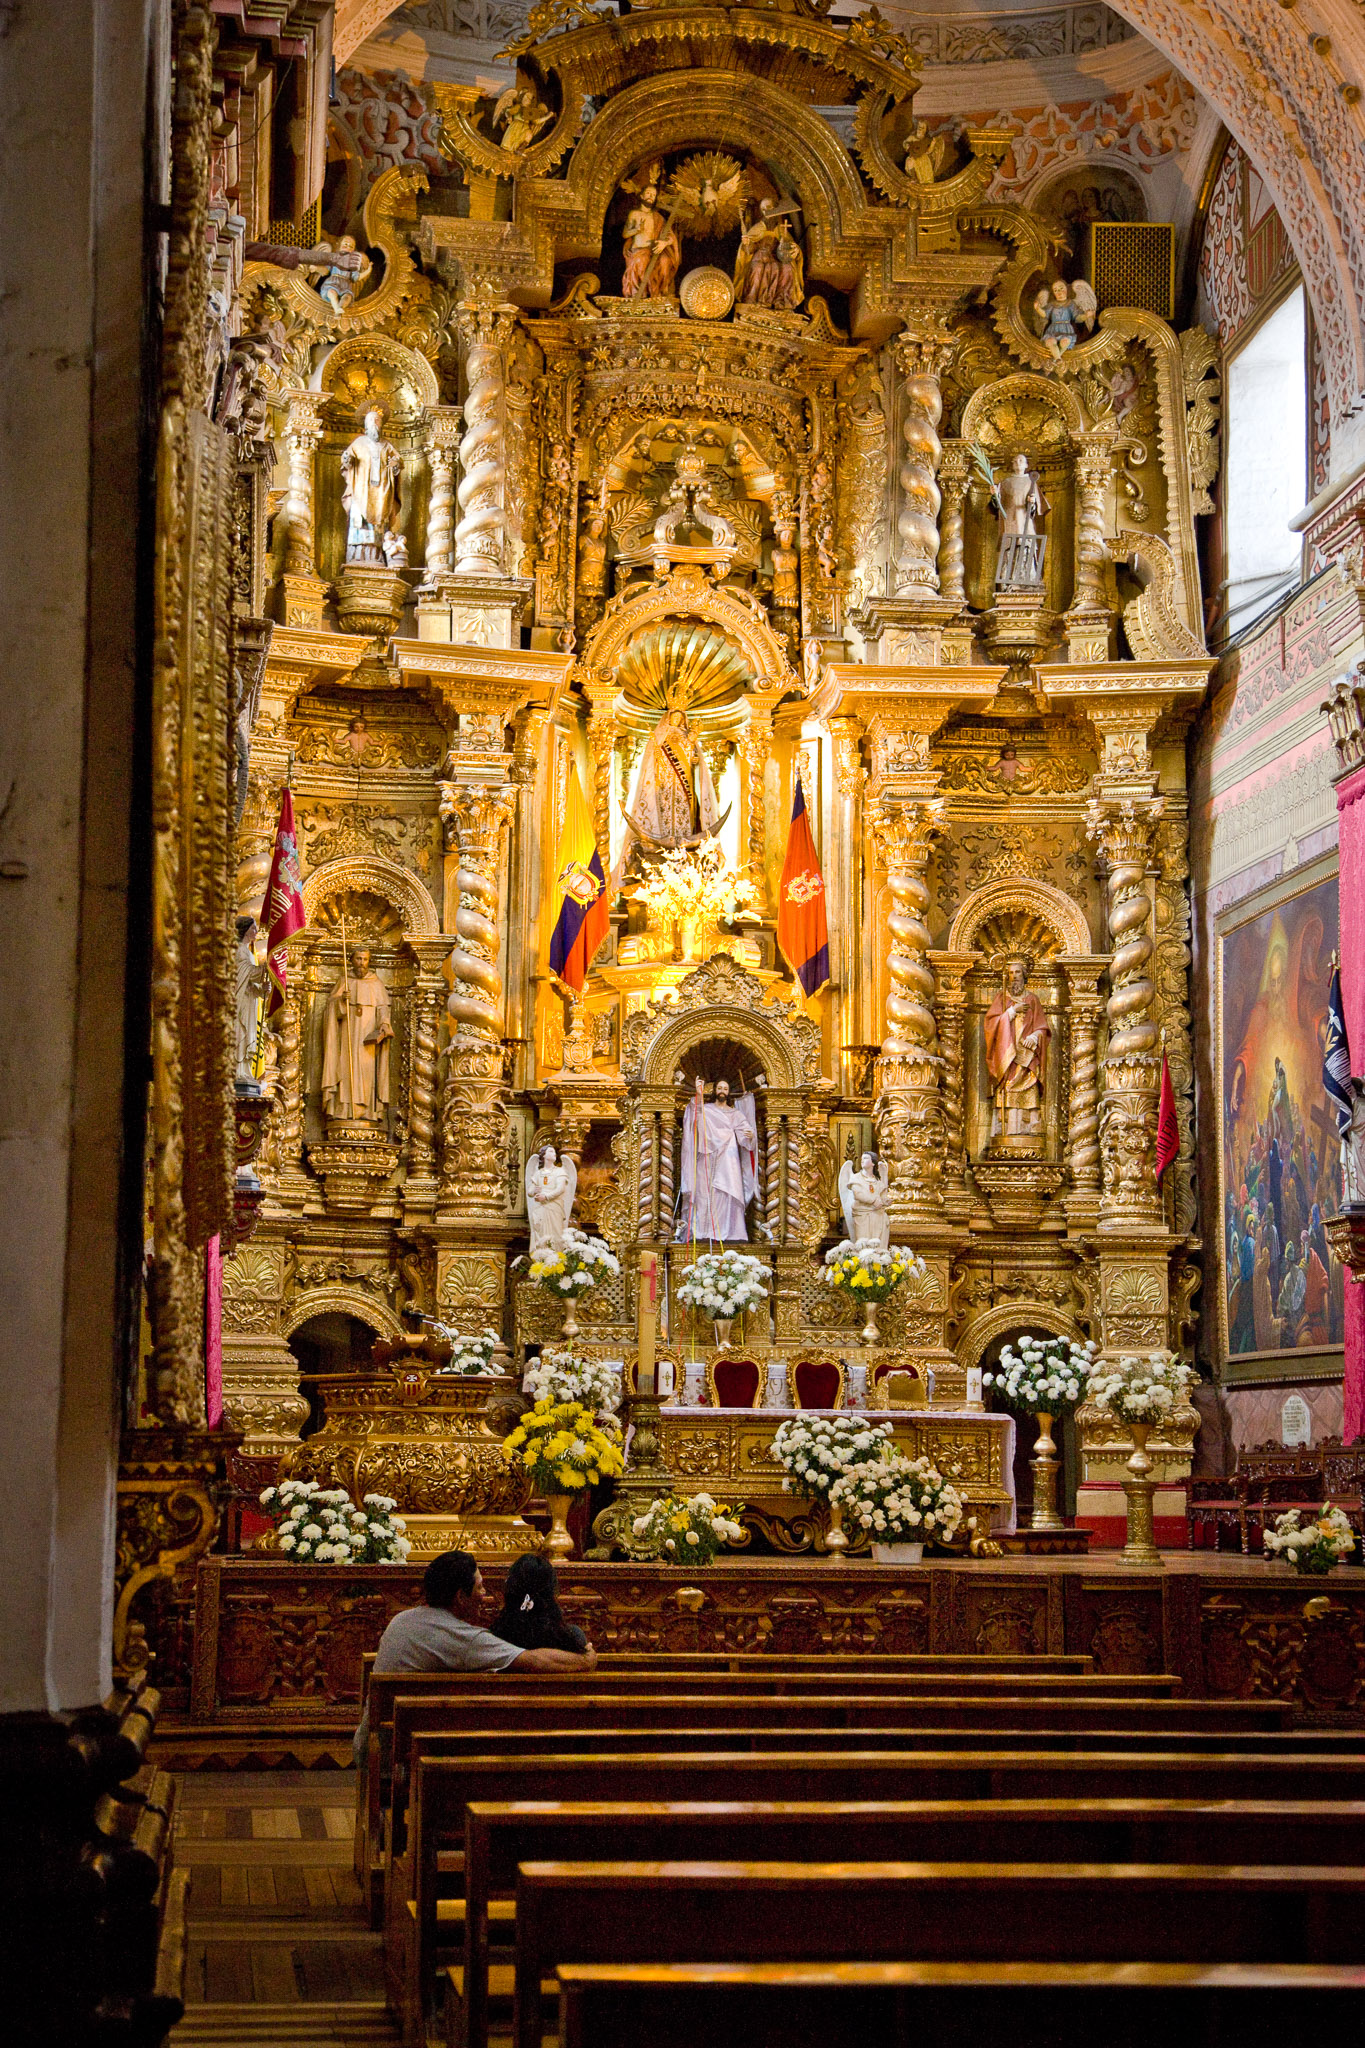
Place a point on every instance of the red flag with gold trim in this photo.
(282, 912)
(1167, 1129)
(802, 927)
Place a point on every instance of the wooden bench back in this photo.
(932, 1912)
(847, 2005)
(499, 1837)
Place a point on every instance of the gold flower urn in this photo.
(431, 1441)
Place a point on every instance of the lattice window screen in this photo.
(1132, 263)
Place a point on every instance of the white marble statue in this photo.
(551, 1184)
(370, 469)
(719, 1167)
(250, 989)
(1353, 1148)
(865, 1198)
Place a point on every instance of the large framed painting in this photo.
(1280, 1294)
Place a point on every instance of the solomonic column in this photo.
(304, 590)
(442, 439)
(1090, 617)
(1124, 824)
(908, 1109)
(473, 1171)
(485, 325)
(921, 358)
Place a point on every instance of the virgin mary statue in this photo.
(674, 800)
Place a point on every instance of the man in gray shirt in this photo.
(444, 1635)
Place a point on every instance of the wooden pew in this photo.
(499, 1837)
(902, 2005)
(930, 1912)
(443, 1787)
(911, 1679)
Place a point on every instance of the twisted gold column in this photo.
(1085, 1008)
(303, 431)
(1124, 826)
(475, 815)
(921, 359)
(484, 326)
(952, 477)
(909, 1114)
(443, 433)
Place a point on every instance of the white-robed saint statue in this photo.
(719, 1168)
(674, 799)
(355, 1046)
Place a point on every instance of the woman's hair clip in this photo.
(527, 1604)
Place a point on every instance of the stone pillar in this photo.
(485, 326)
(953, 473)
(1090, 617)
(304, 591)
(921, 358)
(476, 814)
(908, 1111)
(950, 971)
(442, 439)
(1123, 817)
(1085, 1008)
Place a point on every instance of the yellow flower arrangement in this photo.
(864, 1270)
(563, 1449)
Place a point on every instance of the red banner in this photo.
(282, 913)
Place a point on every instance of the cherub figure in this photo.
(521, 116)
(1061, 311)
(347, 271)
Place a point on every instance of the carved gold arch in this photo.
(371, 872)
(721, 1000)
(977, 1339)
(1019, 390)
(686, 595)
(1066, 919)
(341, 1300)
(408, 366)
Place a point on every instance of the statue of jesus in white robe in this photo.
(719, 1167)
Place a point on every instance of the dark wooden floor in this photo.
(278, 1950)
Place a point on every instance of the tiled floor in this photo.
(278, 1952)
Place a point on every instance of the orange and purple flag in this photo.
(802, 928)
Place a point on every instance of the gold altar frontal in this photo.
(730, 1450)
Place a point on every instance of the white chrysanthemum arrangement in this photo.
(1317, 1548)
(694, 883)
(686, 1531)
(579, 1263)
(724, 1284)
(317, 1525)
(866, 1272)
(899, 1500)
(1044, 1375)
(594, 1383)
(1141, 1389)
(472, 1357)
(816, 1451)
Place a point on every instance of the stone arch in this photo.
(977, 1339)
(1066, 919)
(344, 1301)
(398, 885)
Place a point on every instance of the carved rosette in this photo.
(485, 326)
(921, 360)
(909, 1115)
(1124, 825)
(443, 435)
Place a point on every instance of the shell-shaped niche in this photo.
(682, 662)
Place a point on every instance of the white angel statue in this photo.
(1060, 311)
(865, 1198)
(551, 1184)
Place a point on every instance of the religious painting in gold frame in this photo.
(1279, 1288)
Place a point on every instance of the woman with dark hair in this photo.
(531, 1616)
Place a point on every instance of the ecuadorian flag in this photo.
(581, 924)
(802, 928)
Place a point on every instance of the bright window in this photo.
(1267, 462)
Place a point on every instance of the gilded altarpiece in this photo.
(720, 449)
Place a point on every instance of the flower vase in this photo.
(722, 1327)
(898, 1553)
(569, 1326)
(836, 1543)
(1139, 1487)
(871, 1333)
(1044, 1464)
(558, 1543)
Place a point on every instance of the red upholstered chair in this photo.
(817, 1383)
(733, 1382)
